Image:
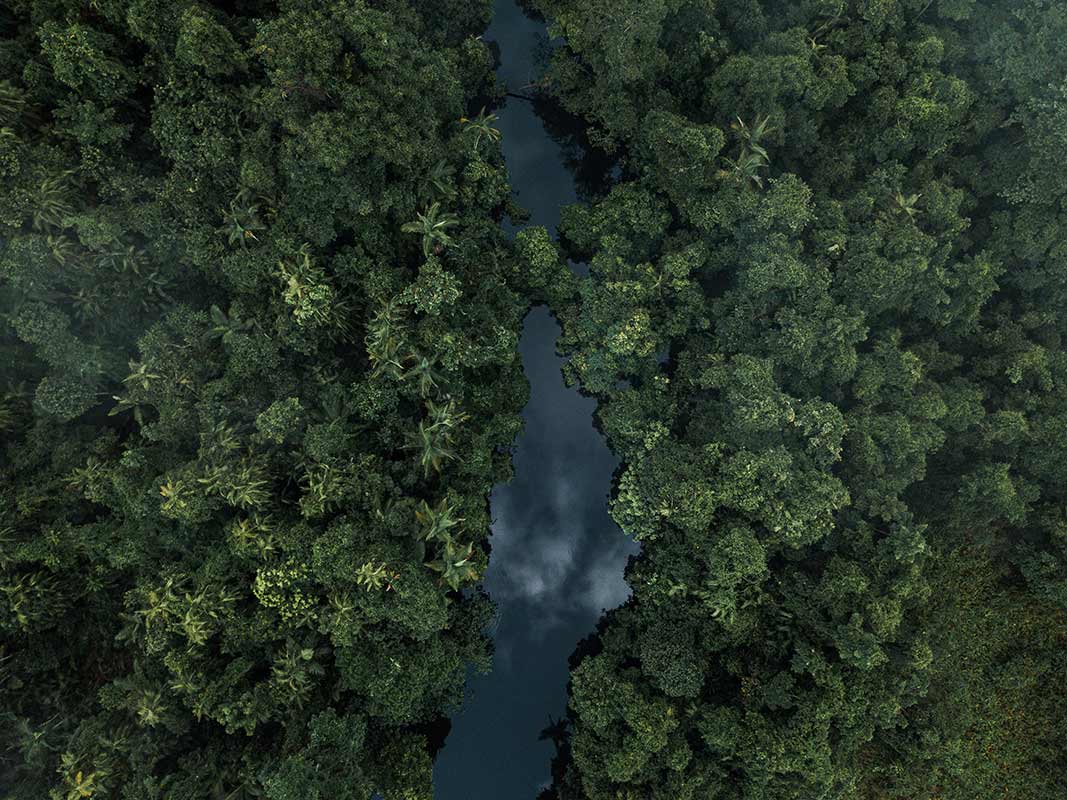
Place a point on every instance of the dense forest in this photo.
(259, 373)
(825, 320)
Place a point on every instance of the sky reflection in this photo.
(558, 558)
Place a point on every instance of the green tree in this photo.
(433, 225)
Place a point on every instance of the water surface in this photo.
(557, 557)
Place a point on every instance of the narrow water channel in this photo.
(557, 559)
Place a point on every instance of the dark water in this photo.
(557, 558)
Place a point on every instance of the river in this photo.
(557, 557)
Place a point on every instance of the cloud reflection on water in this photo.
(556, 564)
(557, 557)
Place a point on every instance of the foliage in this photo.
(259, 373)
(224, 571)
(824, 321)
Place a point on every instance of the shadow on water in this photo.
(557, 557)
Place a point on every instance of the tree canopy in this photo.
(250, 423)
(824, 320)
(259, 373)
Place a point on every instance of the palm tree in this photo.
(753, 156)
(455, 565)
(437, 521)
(226, 327)
(64, 250)
(438, 181)
(173, 494)
(248, 488)
(432, 443)
(121, 256)
(751, 136)
(434, 435)
(424, 373)
(151, 708)
(88, 303)
(254, 534)
(242, 220)
(481, 127)
(433, 226)
(385, 338)
(446, 416)
(140, 374)
(746, 168)
(54, 196)
(907, 205)
(373, 575)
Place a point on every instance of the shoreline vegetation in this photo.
(259, 374)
